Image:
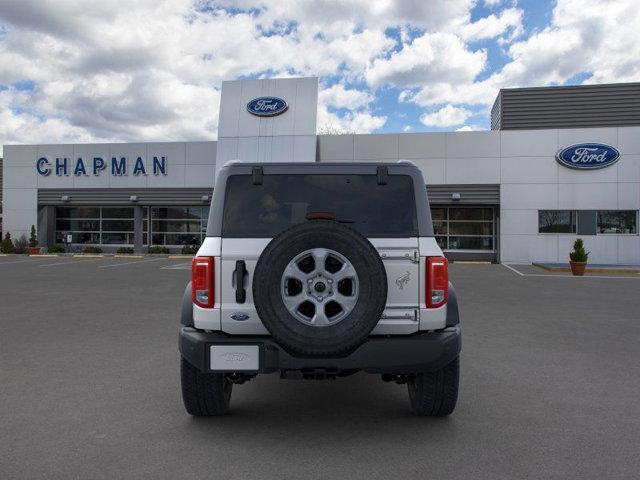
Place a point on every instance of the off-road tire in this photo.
(204, 394)
(332, 340)
(434, 394)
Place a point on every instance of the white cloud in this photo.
(447, 116)
(433, 57)
(338, 96)
(407, 128)
(469, 128)
(509, 20)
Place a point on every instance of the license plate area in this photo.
(234, 358)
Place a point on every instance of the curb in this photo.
(88, 255)
(589, 270)
(180, 256)
(127, 255)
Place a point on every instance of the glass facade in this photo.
(169, 226)
(557, 221)
(178, 225)
(464, 228)
(618, 221)
(95, 225)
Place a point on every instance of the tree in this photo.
(33, 238)
(7, 244)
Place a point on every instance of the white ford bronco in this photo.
(315, 271)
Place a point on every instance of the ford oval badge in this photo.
(240, 316)
(267, 106)
(588, 156)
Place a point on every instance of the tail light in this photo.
(437, 281)
(202, 284)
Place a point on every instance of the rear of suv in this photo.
(315, 271)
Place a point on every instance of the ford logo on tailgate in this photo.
(267, 106)
(588, 156)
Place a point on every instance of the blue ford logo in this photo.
(267, 106)
(588, 156)
(240, 316)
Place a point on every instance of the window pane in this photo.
(182, 239)
(556, 221)
(284, 200)
(617, 221)
(438, 214)
(117, 238)
(176, 213)
(79, 237)
(442, 242)
(440, 227)
(77, 224)
(462, 213)
(77, 212)
(470, 228)
(113, 212)
(470, 243)
(176, 226)
(117, 225)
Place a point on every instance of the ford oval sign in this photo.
(588, 156)
(267, 106)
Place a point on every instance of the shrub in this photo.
(190, 249)
(158, 249)
(55, 249)
(21, 245)
(33, 238)
(92, 249)
(7, 244)
(579, 254)
(125, 250)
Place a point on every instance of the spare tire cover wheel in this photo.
(320, 288)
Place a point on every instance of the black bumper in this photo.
(420, 352)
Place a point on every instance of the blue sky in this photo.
(77, 71)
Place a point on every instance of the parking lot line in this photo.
(129, 263)
(70, 263)
(617, 277)
(19, 261)
(179, 266)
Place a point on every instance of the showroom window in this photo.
(618, 221)
(178, 225)
(95, 225)
(463, 228)
(557, 221)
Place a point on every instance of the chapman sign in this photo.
(267, 106)
(588, 156)
(96, 165)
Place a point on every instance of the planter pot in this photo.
(578, 268)
(34, 250)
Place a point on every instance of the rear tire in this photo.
(434, 394)
(204, 394)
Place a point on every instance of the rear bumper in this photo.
(420, 352)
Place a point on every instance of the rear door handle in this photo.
(240, 272)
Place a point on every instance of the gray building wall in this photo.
(523, 164)
(616, 105)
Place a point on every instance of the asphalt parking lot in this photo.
(89, 385)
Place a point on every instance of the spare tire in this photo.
(320, 288)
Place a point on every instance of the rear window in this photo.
(284, 200)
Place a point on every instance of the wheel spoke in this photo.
(346, 302)
(293, 271)
(347, 271)
(320, 318)
(292, 302)
(319, 257)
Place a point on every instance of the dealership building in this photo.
(559, 163)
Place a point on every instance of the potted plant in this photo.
(578, 258)
(7, 244)
(33, 242)
(21, 245)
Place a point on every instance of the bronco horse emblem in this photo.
(403, 280)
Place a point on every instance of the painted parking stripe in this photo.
(618, 277)
(70, 263)
(130, 263)
(179, 266)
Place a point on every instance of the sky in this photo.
(77, 71)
